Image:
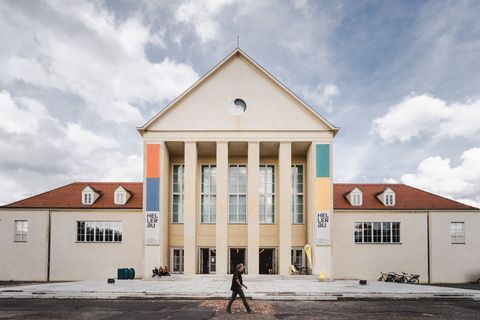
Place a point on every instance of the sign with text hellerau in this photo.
(322, 226)
(152, 225)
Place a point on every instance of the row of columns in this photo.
(283, 213)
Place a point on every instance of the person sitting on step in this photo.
(166, 271)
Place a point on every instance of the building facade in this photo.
(238, 169)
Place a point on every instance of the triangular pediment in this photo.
(210, 104)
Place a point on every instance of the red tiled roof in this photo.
(70, 197)
(407, 198)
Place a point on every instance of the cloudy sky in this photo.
(400, 78)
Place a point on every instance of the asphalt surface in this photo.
(214, 309)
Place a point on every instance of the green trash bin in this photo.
(123, 274)
(131, 273)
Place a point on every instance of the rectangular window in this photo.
(177, 260)
(99, 231)
(21, 231)
(297, 258)
(377, 232)
(208, 194)
(356, 199)
(389, 200)
(177, 193)
(237, 198)
(457, 232)
(267, 194)
(297, 193)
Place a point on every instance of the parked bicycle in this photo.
(387, 277)
(411, 278)
(402, 277)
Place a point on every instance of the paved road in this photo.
(213, 309)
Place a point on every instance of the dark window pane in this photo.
(358, 233)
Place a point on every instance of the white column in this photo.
(190, 208)
(222, 208)
(285, 207)
(253, 206)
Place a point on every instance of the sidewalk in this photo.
(218, 287)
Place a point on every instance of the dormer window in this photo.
(121, 196)
(89, 196)
(355, 197)
(389, 200)
(387, 197)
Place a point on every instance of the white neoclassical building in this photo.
(238, 169)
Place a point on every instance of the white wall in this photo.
(26, 261)
(71, 260)
(366, 261)
(455, 263)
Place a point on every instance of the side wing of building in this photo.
(55, 236)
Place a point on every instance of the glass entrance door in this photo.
(208, 260)
(237, 256)
(177, 260)
(267, 261)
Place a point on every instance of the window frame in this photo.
(120, 198)
(295, 193)
(389, 199)
(24, 234)
(381, 236)
(357, 199)
(456, 237)
(265, 194)
(87, 198)
(181, 262)
(238, 194)
(293, 256)
(116, 234)
(208, 194)
(180, 194)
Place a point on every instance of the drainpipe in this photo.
(428, 247)
(49, 237)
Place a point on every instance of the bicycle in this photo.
(387, 277)
(411, 278)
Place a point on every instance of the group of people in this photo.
(158, 272)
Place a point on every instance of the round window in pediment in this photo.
(238, 106)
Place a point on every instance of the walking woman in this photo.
(236, 288)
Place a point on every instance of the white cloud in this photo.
(22, 115)
(86, 141)
(79, 48)
(203, 16)
(436, 174)
(423, 114)
(300, 4)
(320, 96)
(39, 152)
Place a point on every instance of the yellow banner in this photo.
(308, 252)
